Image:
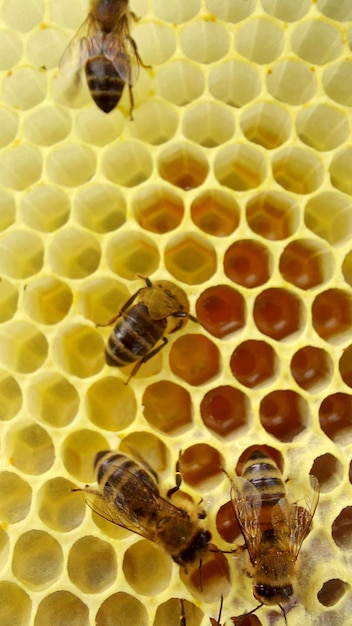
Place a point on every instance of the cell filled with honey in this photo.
(335, 419)
(167, 407)
(254, 363)
(311, 367)
(283, 414)
(332, 314)
(225, 410)
(278, 313)
(305, 264)
(221, 310)
(248, 263)
(195, 359)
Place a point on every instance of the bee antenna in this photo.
(220, 609)
(253, 611)
(284, 613)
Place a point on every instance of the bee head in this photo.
(196, 548)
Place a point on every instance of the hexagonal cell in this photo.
(329, 472)
(234, 82)
(8, 210)
(190, 258)
(332, 315)
(10, 396)
(332, 591)
(148, 37)
(267, 124)
(21, 254)
(208, 124)
(127, 163)
(312, 368)
(341, 529)
(176, 14)
(167, 407)
(84, 564)
(298, 170)
(286, 10)
(79, 350)
(292, 81)
(100, 208)
(9, 299)
(341, 170)
(15, 19)
(53, 399)
(99, 299)
(195, 359)
(317, 41)
(201, 466)
(340, 12)
(30, 448)
(58, 507)
(111, 404)
(36, 546)
(12, 47)
(204, 41)
(47, 125)
(215, 212)
(179, 82)
(221, 310)
(336, 80)
(227, 524)
(147, 568)
(16, 498)
(24, 88)
(260, 40)
(158, 209)
(329, 215)
(23, 347)
(122, 609)
(74, 253)
(164, 127)
(306, 263)
(322, 126)
(278, 313)
(34, 208)
(283, 413)
(183, 165)
(240, 167)
(345, 366)
(9, 123)
(346, 268)
(15, 604)
(131, 253)
(335, 418)
(225, 410)
(210, 581)
(248, 263)
(174, 609)
(44, 46)
(254, 363)
(273, 215)
(78, 453)
(96, 129)
(230, 12)
(61, 607)
(70, 164)
(21, 167)
(47, 300)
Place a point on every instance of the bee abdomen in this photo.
(261, 471)
(104, 83)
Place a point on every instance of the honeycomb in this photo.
(234, 181)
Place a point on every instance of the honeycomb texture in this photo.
(234, 181)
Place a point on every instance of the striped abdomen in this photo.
(263, 473)
(104, 83)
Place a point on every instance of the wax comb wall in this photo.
(233, 181)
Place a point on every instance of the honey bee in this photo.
(128, 496)
(104, 46)
(141, 325)
(273, 527)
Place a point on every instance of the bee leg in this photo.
(182, 314)
(134, 46)
(145, 359)
(131, 102)
(124, 308)
(178, 478)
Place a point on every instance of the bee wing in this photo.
(121, 50)
(301, 518)
(246, 501)
(85, 43)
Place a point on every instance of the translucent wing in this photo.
(301, 518)
(86, 43)
(247, 501)
(121, 50)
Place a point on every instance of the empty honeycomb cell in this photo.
(341, 529)
(148, 447)
(317, 41)
(345, 366)
(340, 11)
(179, 82)
(31, 449)
(267, 124)
(24, 88)
(291, 81)
(248, 263)
(131, 253)
(167, 407)
(347, 268)
(25, 16)
(62, 608)
(176, 14)
(195, 359)
(94, 127)
(208, 124)
(21, 254)
(215, 212)
(335, 417)
(332, 315)
(332, 591)
(283, 413)
(121, 609)
(70, 164)
(158, 209)
(312, 368)
(156, 42)
(100, 208)
(111, 404)
(67, 14)
(204, 40)
(16, 498)
(100, 299)
(20, 166)
(34, 208)
(84, 564)
(53, 399)
(10, 396)
(209, 580)
(298, 170)
(79, 350)
(78, 453)
(278, 313)
(336, 81)
(147, 568)
(37, 560)
(286, 10)
(260, 40)
(225, 410)
(171, 611)
(240, 167)
(9, 299)
(227, 524)
(47, 300)
(23, 347)
(128, 163)
(45, 46)
(341, 170)
(58, 508)
(190, 258)
(234, 82)
(11, 49)
(74, 253)
(47, 125)
(229, 11)
(329, 216)
(8, 210)
(163, 128)
(201, 466)
(306, 263)
(254, 363)
(322, 126)
(15, 604)
(273, 215)
(9, 126)
(328, 470)
(221, 310)
(183, 165)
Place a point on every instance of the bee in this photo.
(142, 324)
(104, 46)
(128, 496)
(273, 527)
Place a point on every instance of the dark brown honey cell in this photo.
(100, 208)
(149, 448)
(167, 407)
(329, 472)
(78, 453)
(92, 564)
(221, 310)
(201, 465)
(332, 591)
(347, 268)
(273, 215)
(39, 548)
(269, 450)
(215, 212)
(111, 404)
(211, 581)
(47, 300)
(158, 209)
(10, 396)
(267, 124)
(195, 359)
(225, 410)
(298, 170)
(171, 611)
(254, 363)
(79, 350)
(341, 170)
(283, 414)
(60, 609)
(226, 523)
(306, 264)
(31, 448)
(329, 215)
(58, 507)
(183, 165)
(15, 604)
(132, 252)
(248, 263)
(122, 609)
(53, 399)
(312, 368)
(190, 258)
(332, 314)
(240, 167)
(278, 313)
(147, 568)
(16, 498)
(9, 299)
(345, 366)
(341, 529)
(335, 416)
